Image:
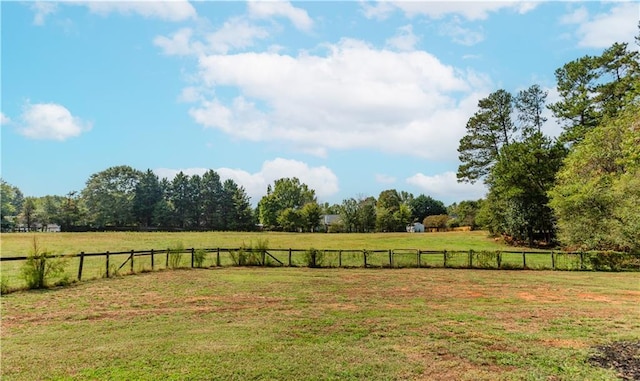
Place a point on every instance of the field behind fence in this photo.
(84, 266)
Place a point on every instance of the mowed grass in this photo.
(320, 324)
(20, 244)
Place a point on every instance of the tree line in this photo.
(122, 197)
(582, 187)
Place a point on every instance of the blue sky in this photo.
(351, 97)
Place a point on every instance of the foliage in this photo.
(314, 258)
(608, 260)
(423, 206)
(288, 195)
(147, 194)
(592, 88)
(40, 267)
(465, 213)
(11, 199)
(175, 253)
(310, 214)
(486, 259)
(439, 221)
(4, 285)
(199, 256)
(109, 196)
(598, 190)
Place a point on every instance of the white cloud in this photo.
(50, 121)
(619, 24)
(460, 34)
(4, 119)
(470, 10)
(173, 10)
(268, 9)
(235, 33)
(42, 9)
(446, 185)
(321, 179)
(385, 179)
(354, 96)
(404, 40)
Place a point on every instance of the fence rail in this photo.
(381, 258)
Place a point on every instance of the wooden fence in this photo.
(153, 260)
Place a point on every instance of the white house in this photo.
(416, 227)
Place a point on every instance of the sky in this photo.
(351, 97)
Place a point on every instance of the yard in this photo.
(300, 323)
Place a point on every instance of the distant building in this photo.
(326, 220)
(416, 227)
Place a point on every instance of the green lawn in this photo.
(18, 244)
(320, 324)
(404, 244)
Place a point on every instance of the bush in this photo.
(608, 260)
(199, 257)
(4, 285)
(250, 256)
(175, 255)
(314, 258)
(40, 267)
(486, 259)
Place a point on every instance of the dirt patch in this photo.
(622, 356)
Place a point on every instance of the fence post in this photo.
(553, 261)
(193, 254)
(218, 257)
(152, 263)
(581, 260)
(166, 265)
(340, 258)
(390, 258)
(524, 260)
(80, 266)
(132, 255)
(364, 255)
(289, 257)
(419, 254)
(107, 257)
(471, 258)
(444, 258)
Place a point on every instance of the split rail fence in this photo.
(108, 264)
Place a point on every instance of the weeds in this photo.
(39, 267)
(175, 255)
(314, 258)
(249, 256)
(4, 285)
(198, 257)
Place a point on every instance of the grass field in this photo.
(328, 324)
(19, 244)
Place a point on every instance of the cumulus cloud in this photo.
(352, 96)
(321, 179)
(269, 9)
(619, 24)
(446, 186)
(50, 121)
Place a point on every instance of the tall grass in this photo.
(40, 266)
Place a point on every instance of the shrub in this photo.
(314, 258)
(199, 257)
(4, 285)
(608, 260)
(249, 256)
(175, 255)
(40, 267)
(485, 259)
